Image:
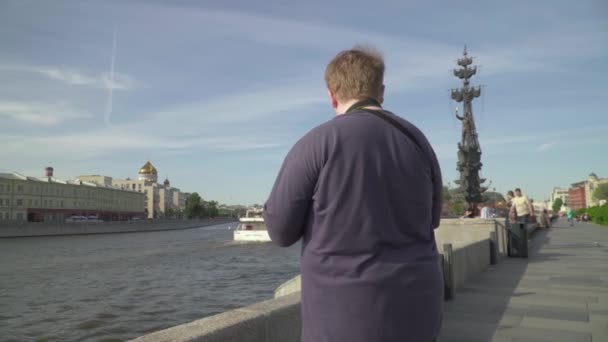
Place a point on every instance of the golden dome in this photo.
(148, 169)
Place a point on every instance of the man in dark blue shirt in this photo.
(363, 191)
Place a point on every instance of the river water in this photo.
(116, 287)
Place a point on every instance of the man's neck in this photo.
(344, 106)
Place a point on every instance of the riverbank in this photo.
(34, 229)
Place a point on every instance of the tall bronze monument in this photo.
(469, 151)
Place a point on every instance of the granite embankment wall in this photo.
(31, 229)
(467, 247)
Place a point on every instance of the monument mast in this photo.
(469, 151)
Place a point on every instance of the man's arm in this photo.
(437, 189)
(287, 208)
(530, 207)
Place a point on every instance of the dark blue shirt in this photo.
(362, 197)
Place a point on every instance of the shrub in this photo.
(599, 214)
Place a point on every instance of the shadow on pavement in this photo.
(481, 306)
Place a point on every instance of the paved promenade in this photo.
(559, 294)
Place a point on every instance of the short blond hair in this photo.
(356, 74)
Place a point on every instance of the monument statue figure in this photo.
(469, 152)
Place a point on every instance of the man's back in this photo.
(364, 197)
(374, 190)
(369, 262)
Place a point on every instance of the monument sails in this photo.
(469, 152)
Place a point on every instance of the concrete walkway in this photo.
(559, 294)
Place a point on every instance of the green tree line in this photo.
(598, 214)
(196, 207)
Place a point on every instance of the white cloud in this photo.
(241, 108)
(411, 63)
(95, 143)
(76, 77)
(46, 114)
(546, 146)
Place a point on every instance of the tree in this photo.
(446, 194)
(212, 209)
(557, 205)
(601, 192)
(457, 208)
(194, 208)
(170, 213)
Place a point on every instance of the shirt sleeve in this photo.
(437, 189)
(290, 200)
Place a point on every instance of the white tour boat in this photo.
(252, 227)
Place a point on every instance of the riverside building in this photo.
(562, 194)
(160, 198)
(47, 198)
(581, 193)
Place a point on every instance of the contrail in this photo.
(108, 112)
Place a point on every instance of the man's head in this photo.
(518, 192)
(355, 74)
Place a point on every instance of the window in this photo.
(8, 202)
(1, 201)
(45, 202)
(6, 216)
(20, 216)
(19, 202)
(1, 187)
(36, 202)
(29, 201)
(50, 203)
(8, 189)
(62, 204)
(19, 188)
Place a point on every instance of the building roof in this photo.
(12, 176)
(579, 184)
(18, 176)
(148, 169)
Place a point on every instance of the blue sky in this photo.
(214, 93)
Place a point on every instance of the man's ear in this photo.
(332, 99)
(381, 97)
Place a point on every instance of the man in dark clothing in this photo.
(365, 196)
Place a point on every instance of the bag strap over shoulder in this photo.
(393, 122)
(360, 106)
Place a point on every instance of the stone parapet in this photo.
(275, 320)
(467, 247)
